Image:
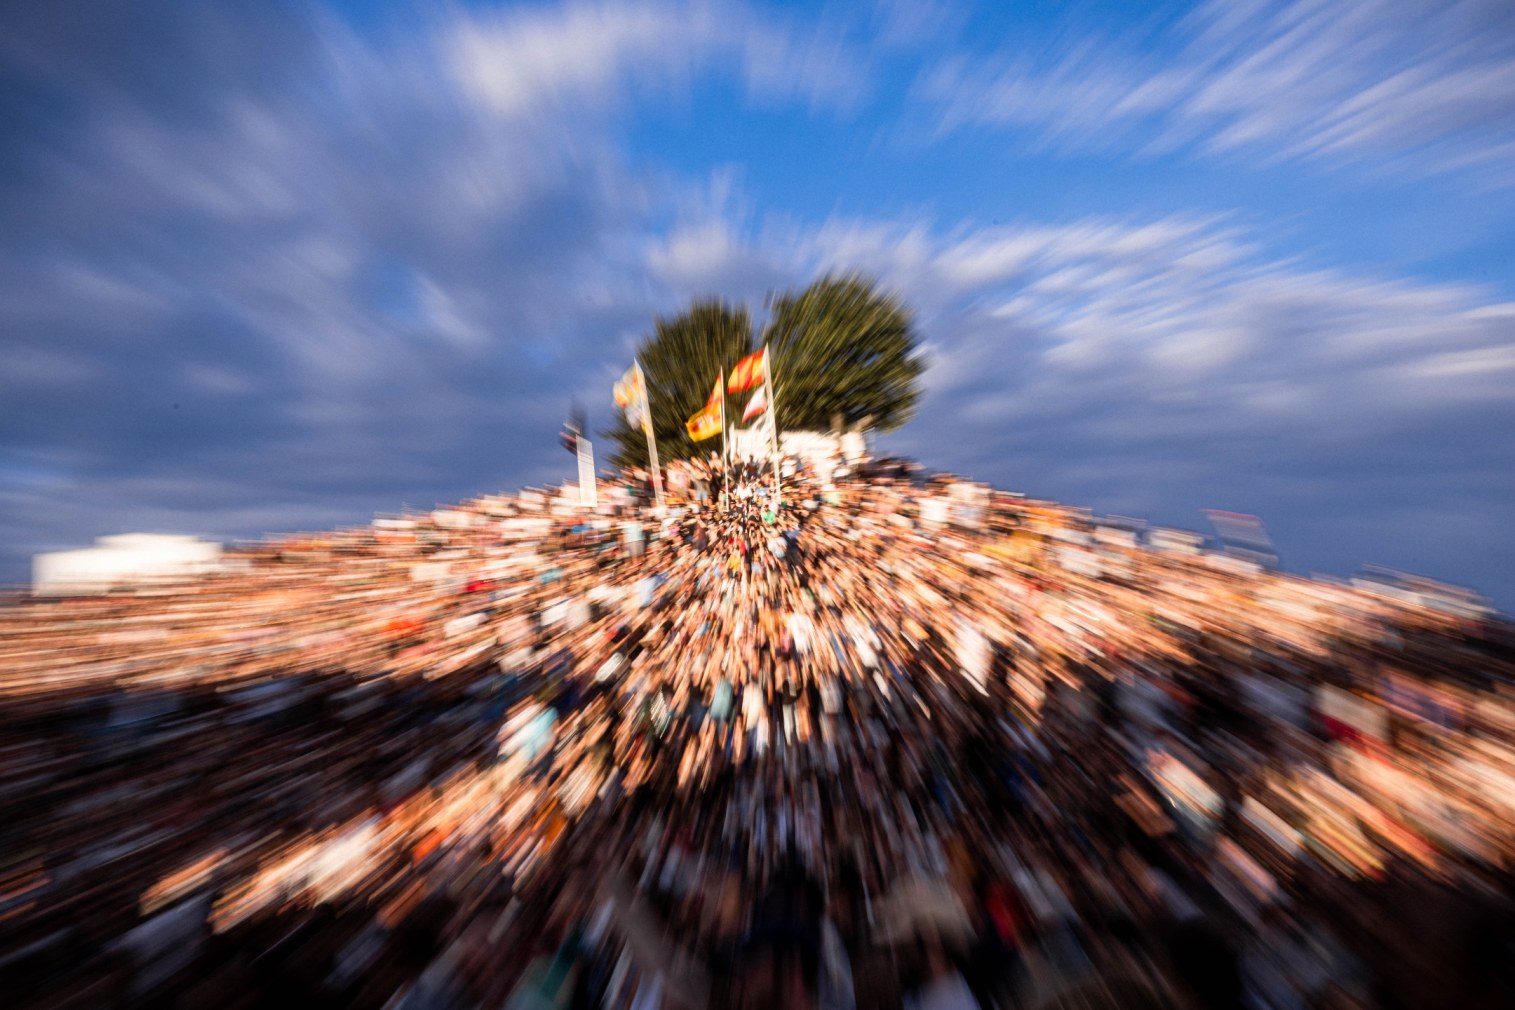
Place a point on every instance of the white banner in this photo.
(587, 491)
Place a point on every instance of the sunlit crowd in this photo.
(840, 737)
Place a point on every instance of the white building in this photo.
(123, 560)
(814, 447)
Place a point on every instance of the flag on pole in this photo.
(773, 424)
(748, 372)
(757, 404)
(628, 389)
(631, 397)
(707, 422)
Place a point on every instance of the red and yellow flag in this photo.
(707, 422)
(756, 405)
(748, 372)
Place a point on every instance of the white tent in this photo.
(122, 560)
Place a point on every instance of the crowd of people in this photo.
(860, 740)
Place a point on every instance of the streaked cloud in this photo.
(1420, 85)
(593, 56)
(1053, 317)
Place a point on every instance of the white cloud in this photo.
(587, 57)
(1422, 83)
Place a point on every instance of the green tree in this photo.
(680, 360)
(844, 354)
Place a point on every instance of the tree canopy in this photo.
(843, 353)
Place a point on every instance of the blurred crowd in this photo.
(865, 739)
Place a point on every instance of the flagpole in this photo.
(652, 442)
(773, 419)
(720, 382)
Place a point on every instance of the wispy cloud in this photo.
(1423, 85)
(1084, 317)
(586, 57)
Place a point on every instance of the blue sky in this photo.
(283, 266)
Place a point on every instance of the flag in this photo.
(703, 425)
(629, 389)
(757, 404)
(707, 422)
(748, 372)
(631, 397)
